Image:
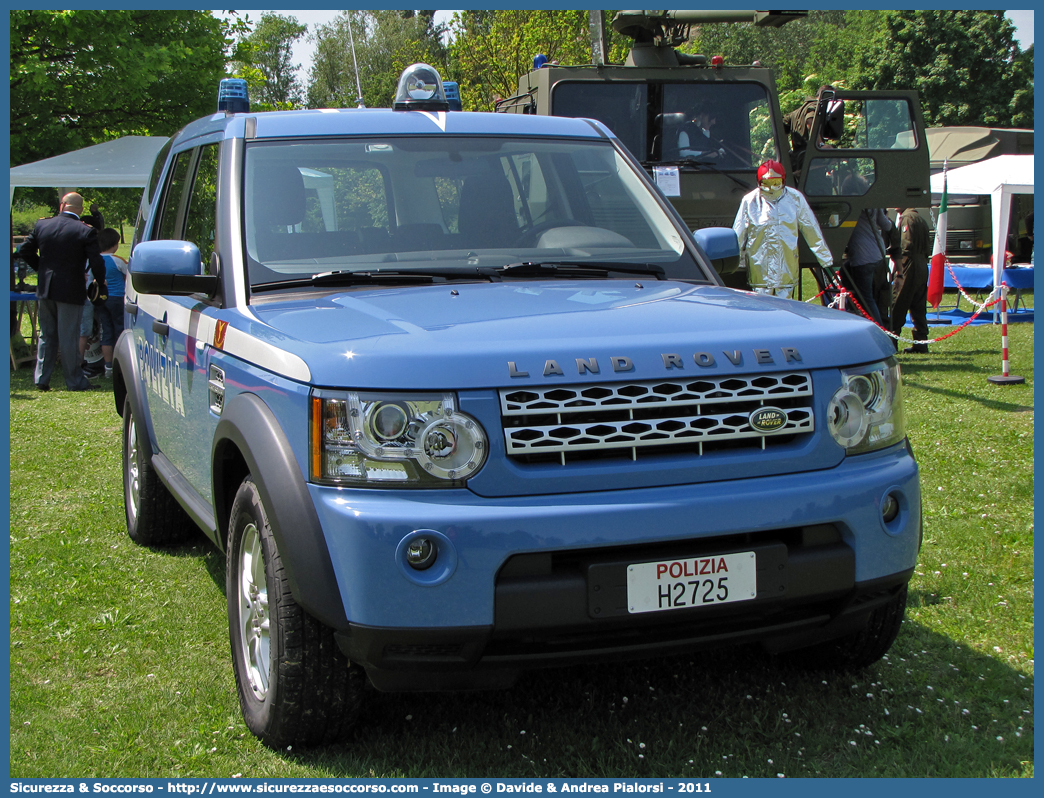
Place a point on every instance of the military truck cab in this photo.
(702, 127)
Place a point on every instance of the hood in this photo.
(484, 335)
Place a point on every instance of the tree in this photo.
(386, 42)
(117, 205)
(1022, 96)
(82, 77)
(491, 50)
(785, 49)
(271, 77)
(842, 55)
(965, 66)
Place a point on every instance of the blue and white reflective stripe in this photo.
(263, 354)
(236, 342)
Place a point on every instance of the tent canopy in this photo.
(121, 163)
(984, 177)
(1000, 177)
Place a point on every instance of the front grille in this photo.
(627, 420)
(955, 237)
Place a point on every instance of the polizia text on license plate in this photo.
(692, 582)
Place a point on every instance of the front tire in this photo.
(154, 517)
(865, 647)
(295, 686)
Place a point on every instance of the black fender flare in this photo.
(250, 426)
(128, 384)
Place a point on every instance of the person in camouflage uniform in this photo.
(910, 285)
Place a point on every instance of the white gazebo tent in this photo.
(1000, 178)
(122, 163)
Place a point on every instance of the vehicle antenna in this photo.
(596, 24)
(358, 85)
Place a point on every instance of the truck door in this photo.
(171, 332)
(875, 156)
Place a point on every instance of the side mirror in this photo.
(833, 112)
(172, 268)
(721, 246)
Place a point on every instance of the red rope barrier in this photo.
(950, 334)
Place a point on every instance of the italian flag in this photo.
(935, 275)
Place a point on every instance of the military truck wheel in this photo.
(865, 647)
(154, 518)
(295, 686)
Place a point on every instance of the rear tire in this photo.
(154, 517)
(865, 647)
(295, 686)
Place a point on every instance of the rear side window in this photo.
(145, 208)
(168, 225)
(157, 170)
(189, 208)
(202, 205)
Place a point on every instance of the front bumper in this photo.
(406, 660)
(515, 575)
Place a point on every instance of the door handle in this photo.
(160, 327)
(131, 307)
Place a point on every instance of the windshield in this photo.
(445, 204)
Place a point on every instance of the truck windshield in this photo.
(442, 204)
(728, 125)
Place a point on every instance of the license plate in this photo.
(692, 582)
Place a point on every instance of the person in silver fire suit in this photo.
(767, 226)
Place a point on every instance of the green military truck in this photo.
(651, 100)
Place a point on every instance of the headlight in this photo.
(393, 439)
(866, 413)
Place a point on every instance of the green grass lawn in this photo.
(120, 657)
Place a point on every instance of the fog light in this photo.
(421, 553)
(889, 508)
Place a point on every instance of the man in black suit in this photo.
(58, 249)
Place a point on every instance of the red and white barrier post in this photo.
(1005, 377)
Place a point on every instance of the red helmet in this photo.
(771, 169)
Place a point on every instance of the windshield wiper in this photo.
(374, 277)
(559, 268)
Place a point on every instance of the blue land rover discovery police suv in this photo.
(459, 396)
